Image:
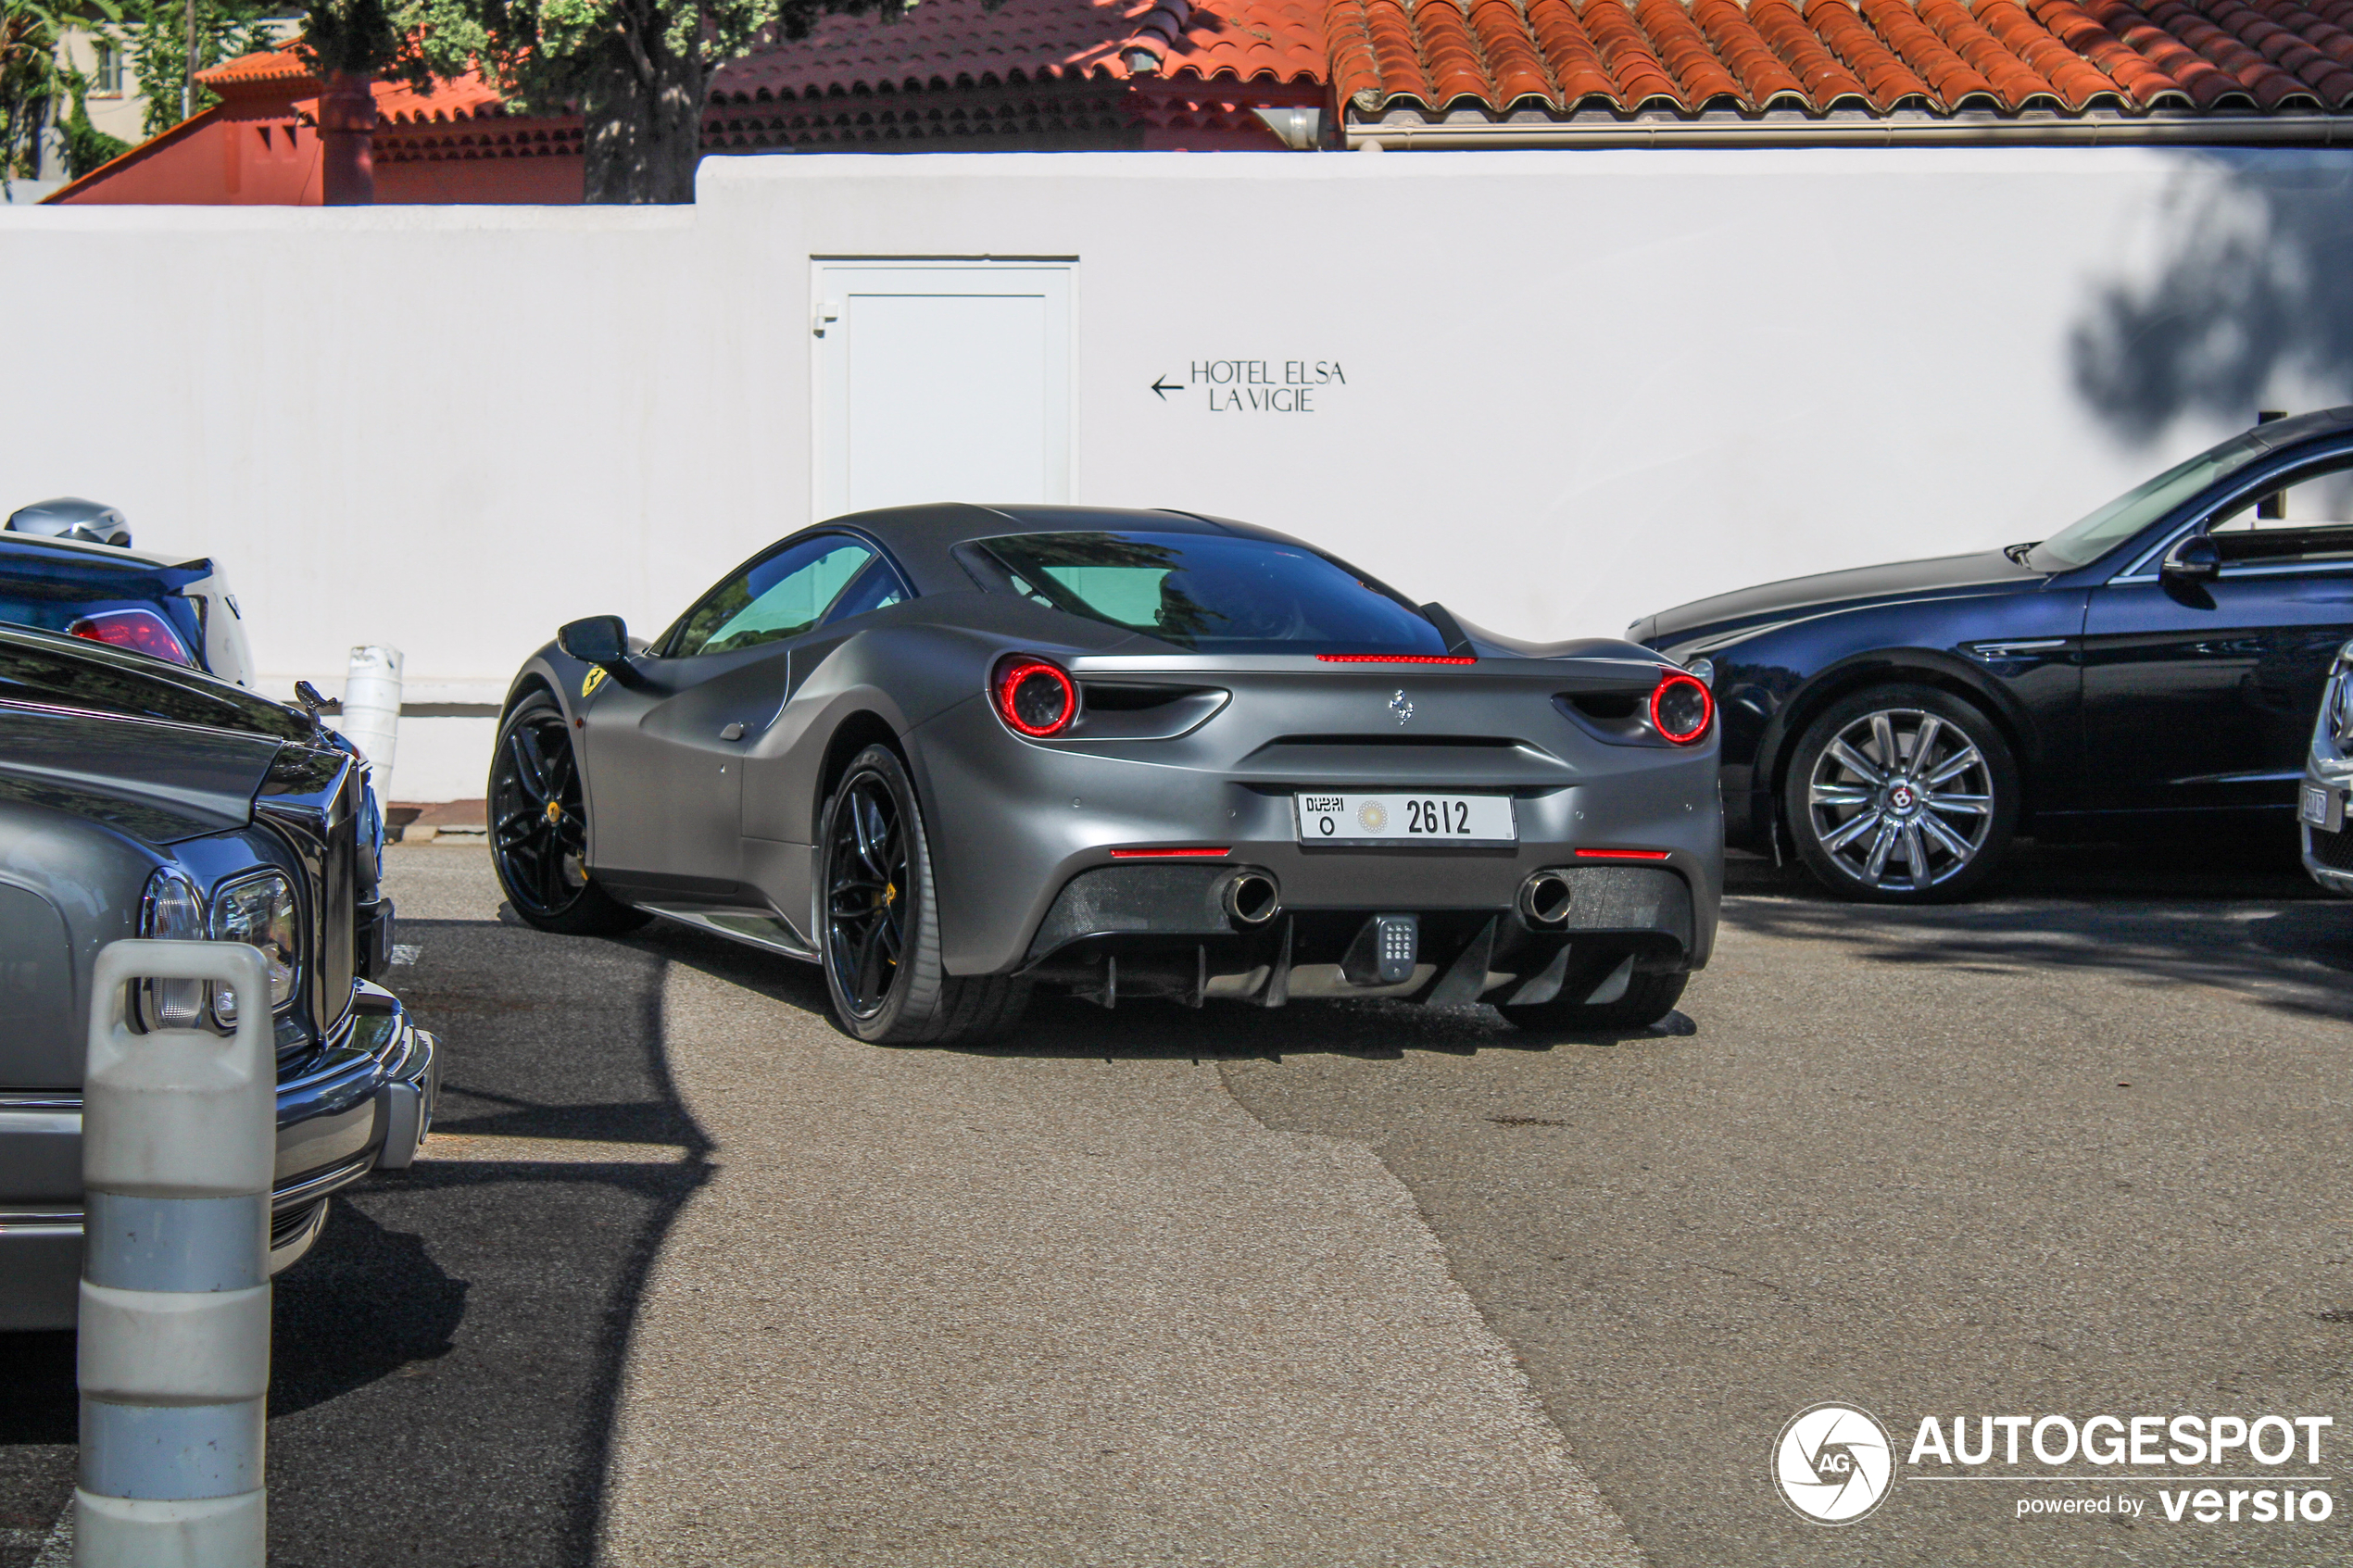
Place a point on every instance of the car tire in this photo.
(880, 926)
(539, 827)
(1647, 998)
(1932, 829)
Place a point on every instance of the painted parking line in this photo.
(492, 1149)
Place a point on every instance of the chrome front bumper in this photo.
(364, 1102)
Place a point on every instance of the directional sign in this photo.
(1265, 386)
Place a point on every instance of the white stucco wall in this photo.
(1581, 386)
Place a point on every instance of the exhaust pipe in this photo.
(1251, 897)
(1545, 898)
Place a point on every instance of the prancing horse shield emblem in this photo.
(1400, 706)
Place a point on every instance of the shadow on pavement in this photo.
(448, 1357)
(366, 1304)
(2257, 928)
(39, 1415)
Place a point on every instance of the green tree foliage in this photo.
(33, 79)
(637, 70)
(156, 32)
(363, 37)
(86, 145)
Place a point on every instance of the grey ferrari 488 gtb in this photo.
(954, 752)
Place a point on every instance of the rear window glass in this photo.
(1213, 592)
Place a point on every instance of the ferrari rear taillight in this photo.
(140, 630)
(1035, 697)
(1681, 707)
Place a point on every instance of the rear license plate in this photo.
(2323, 808)
(1457, 820)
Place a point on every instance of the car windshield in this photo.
(2086, 540)
(1214, 593)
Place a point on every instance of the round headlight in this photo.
(171, 911)
(260, 911)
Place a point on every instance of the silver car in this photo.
(2328, 776)
(141, 799)
(953, 753)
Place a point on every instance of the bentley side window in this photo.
(781, 595)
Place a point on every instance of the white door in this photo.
(941, 382)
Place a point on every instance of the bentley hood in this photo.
(1985, 570)
(155, 782)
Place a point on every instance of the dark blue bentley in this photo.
(2152, 669)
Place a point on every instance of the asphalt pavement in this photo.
(692, 1279)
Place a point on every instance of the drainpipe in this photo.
(347, 139)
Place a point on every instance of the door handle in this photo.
(733, 732)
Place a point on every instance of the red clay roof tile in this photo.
(1639, 76)
(942, 42)
(1511, 52)
(1938, 57)
(1665, 59)
(1683, 47)
(1452, 56)
(1763, 80)
(1958, 82)
(1569, 50)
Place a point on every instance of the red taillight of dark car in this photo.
(1681, 708)
(140, 630)
(1035, 697)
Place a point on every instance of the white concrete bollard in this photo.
(371, 709)
(178, 1145)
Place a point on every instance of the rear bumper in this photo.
(1174, 931)
(350, 1111)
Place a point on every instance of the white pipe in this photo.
(371, 709)
(178, 1145)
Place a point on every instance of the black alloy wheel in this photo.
(868, 893)
(884, 974)
(1902, 794)
(539, 827)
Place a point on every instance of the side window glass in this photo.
(875, 588)
(2320, 495)
(2308, 519)
(778, 598)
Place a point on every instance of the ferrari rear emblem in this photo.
(1400, 706)
(595, 678)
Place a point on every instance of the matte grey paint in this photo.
(681, 818)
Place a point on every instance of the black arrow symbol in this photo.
(1164, 390)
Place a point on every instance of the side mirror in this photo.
(602, 640)
(2195, 560)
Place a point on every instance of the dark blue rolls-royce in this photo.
(2154, 667)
